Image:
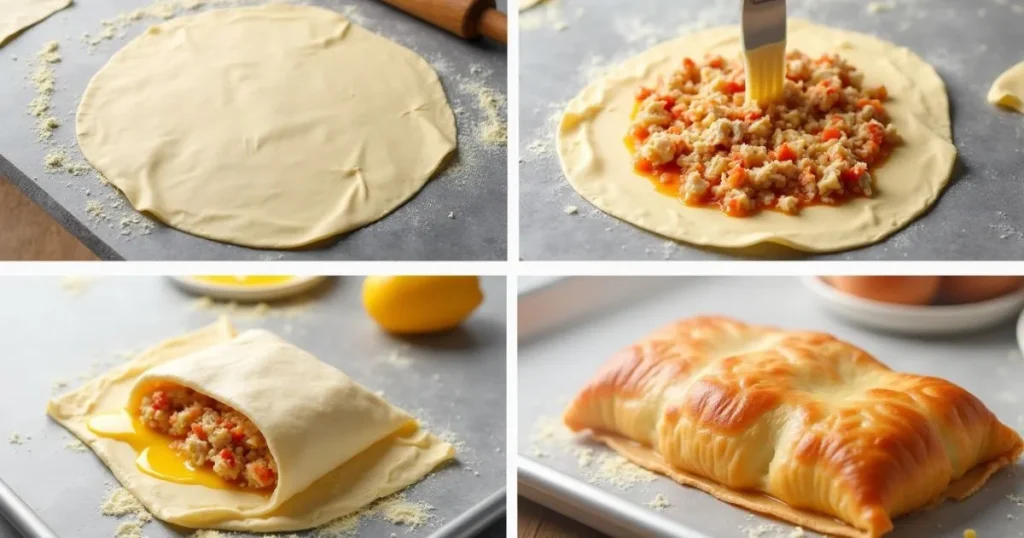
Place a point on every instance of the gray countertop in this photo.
(979, 216)
(454, 382)
(568, 329)
(473, 186)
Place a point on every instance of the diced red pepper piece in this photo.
(880, 93)
(199, 432)
(160, 401)
(785, 153)
(643, 166)
(873, 103)
(643, 93)
(830, 133)
(851, 175)
(737, 177)
(733, 87)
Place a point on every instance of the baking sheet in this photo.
(454, 382)
(969, 43)
(560, 349)
(473, 187)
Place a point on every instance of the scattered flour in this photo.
(16, 439)
(638, 32)
(584, 456)
(617, 471)
(75, 445)
(397, 357)
(571, 210)
(160, 10)
(659, 502)
(400, 511)
(75, 286)
(878, 7)
(120, 502)
(770, 530)
(549, 430)
(396, 509)
(352, 13)
(492, 103)
(552, 14)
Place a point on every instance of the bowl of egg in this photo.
(921, 305)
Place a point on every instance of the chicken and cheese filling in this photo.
(695, 135)
(210, 434)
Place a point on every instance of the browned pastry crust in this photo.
(797, 425)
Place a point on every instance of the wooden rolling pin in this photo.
(468, 19)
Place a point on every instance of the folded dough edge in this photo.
(384, 459)
(647, 458)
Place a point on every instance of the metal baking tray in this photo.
(473, 186)
(971, 220)
(53, 329)
(568, 328)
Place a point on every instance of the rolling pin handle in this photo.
(494, 24)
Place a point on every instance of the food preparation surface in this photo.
(977, 216)
(472, 187)
(568, 329)
(54, 330)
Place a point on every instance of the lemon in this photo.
(420, 304)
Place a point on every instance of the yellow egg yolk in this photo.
(155, 455)
(249, 281)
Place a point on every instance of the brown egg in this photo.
(972, 289)
(909, 290)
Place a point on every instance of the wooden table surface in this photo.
(30, 234)
(536, 521)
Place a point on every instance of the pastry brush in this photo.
(764, 48)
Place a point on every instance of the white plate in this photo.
(916, 320)
(1020, 333)
(297, 285)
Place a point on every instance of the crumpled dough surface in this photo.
(1008, 90)
(338, 446)
(598, 165)
(274, 126)
(16, 15)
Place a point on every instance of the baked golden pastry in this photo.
(756, 415)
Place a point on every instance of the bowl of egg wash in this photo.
(921, 305)
(247, 288)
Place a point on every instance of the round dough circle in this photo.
(273, 126)
(598, 165)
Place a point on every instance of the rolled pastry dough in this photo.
(1008, 89)
(273, 126)
(598, 165)
(16, 15)
(337, 446)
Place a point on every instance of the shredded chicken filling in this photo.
(211, 434)
(695, 135)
